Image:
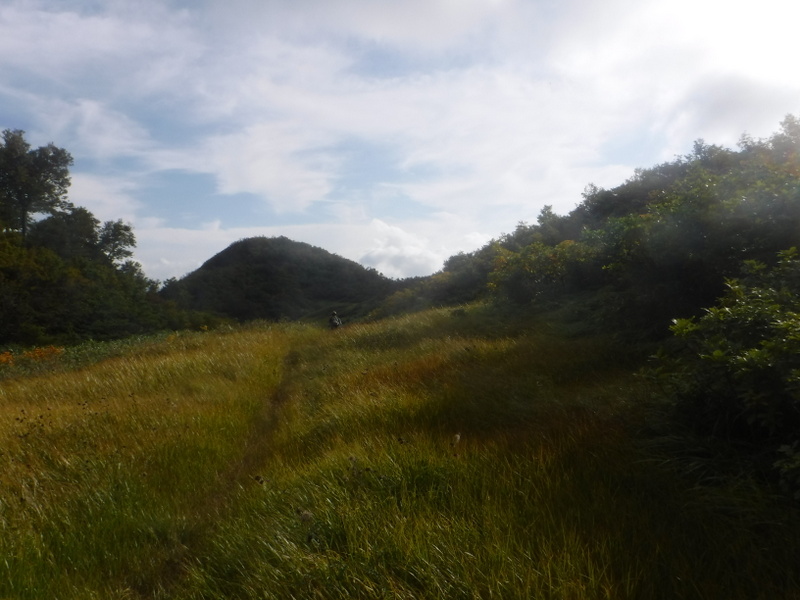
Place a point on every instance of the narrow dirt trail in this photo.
(209, 510)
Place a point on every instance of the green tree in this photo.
(115, 240)
(71, 234)
(32, 181)
(740, 374)
(737, 374)
(75, 233)
(32, 293)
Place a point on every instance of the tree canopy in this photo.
(64, 275)
(656, 247)
(32, 180)
(277, 278)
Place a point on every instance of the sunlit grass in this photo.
(105, 468)
(437, 455)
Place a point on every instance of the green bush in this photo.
(739, 373)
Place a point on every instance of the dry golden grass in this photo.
(426, 456)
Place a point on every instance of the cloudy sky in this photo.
(392, 132)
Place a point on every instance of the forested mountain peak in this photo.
(274, 278)
(269, 249)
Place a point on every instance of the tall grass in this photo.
(106, 470)
(440, 455)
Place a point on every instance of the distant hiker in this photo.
(334, 321)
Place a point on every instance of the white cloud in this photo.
(486, 109)
(74, 49)
(685, 69)
(108, 198)
(287, 165)
(397, 253)
(103, 133)
(478, 137)
(415, 25)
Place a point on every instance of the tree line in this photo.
(657, 247)
(64, 275)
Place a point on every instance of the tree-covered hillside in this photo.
(277, 278)
(656, 247)
(64, 275)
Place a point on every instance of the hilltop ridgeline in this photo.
(278, 278)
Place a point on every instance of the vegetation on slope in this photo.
(449, 454)
(734, 373)
(64, 276)
(277, 278)
(657, 247)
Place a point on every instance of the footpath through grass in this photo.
(439, 455)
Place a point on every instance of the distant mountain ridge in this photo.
(278, 278)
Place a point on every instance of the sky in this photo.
(395, 133)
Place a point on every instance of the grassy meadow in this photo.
(446, 454)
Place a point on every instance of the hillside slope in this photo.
(275, 278)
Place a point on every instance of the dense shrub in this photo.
(739, 373)
(662, 244)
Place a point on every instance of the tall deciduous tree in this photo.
(115, 240)
(32, 181)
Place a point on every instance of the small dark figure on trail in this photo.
(334, 321)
